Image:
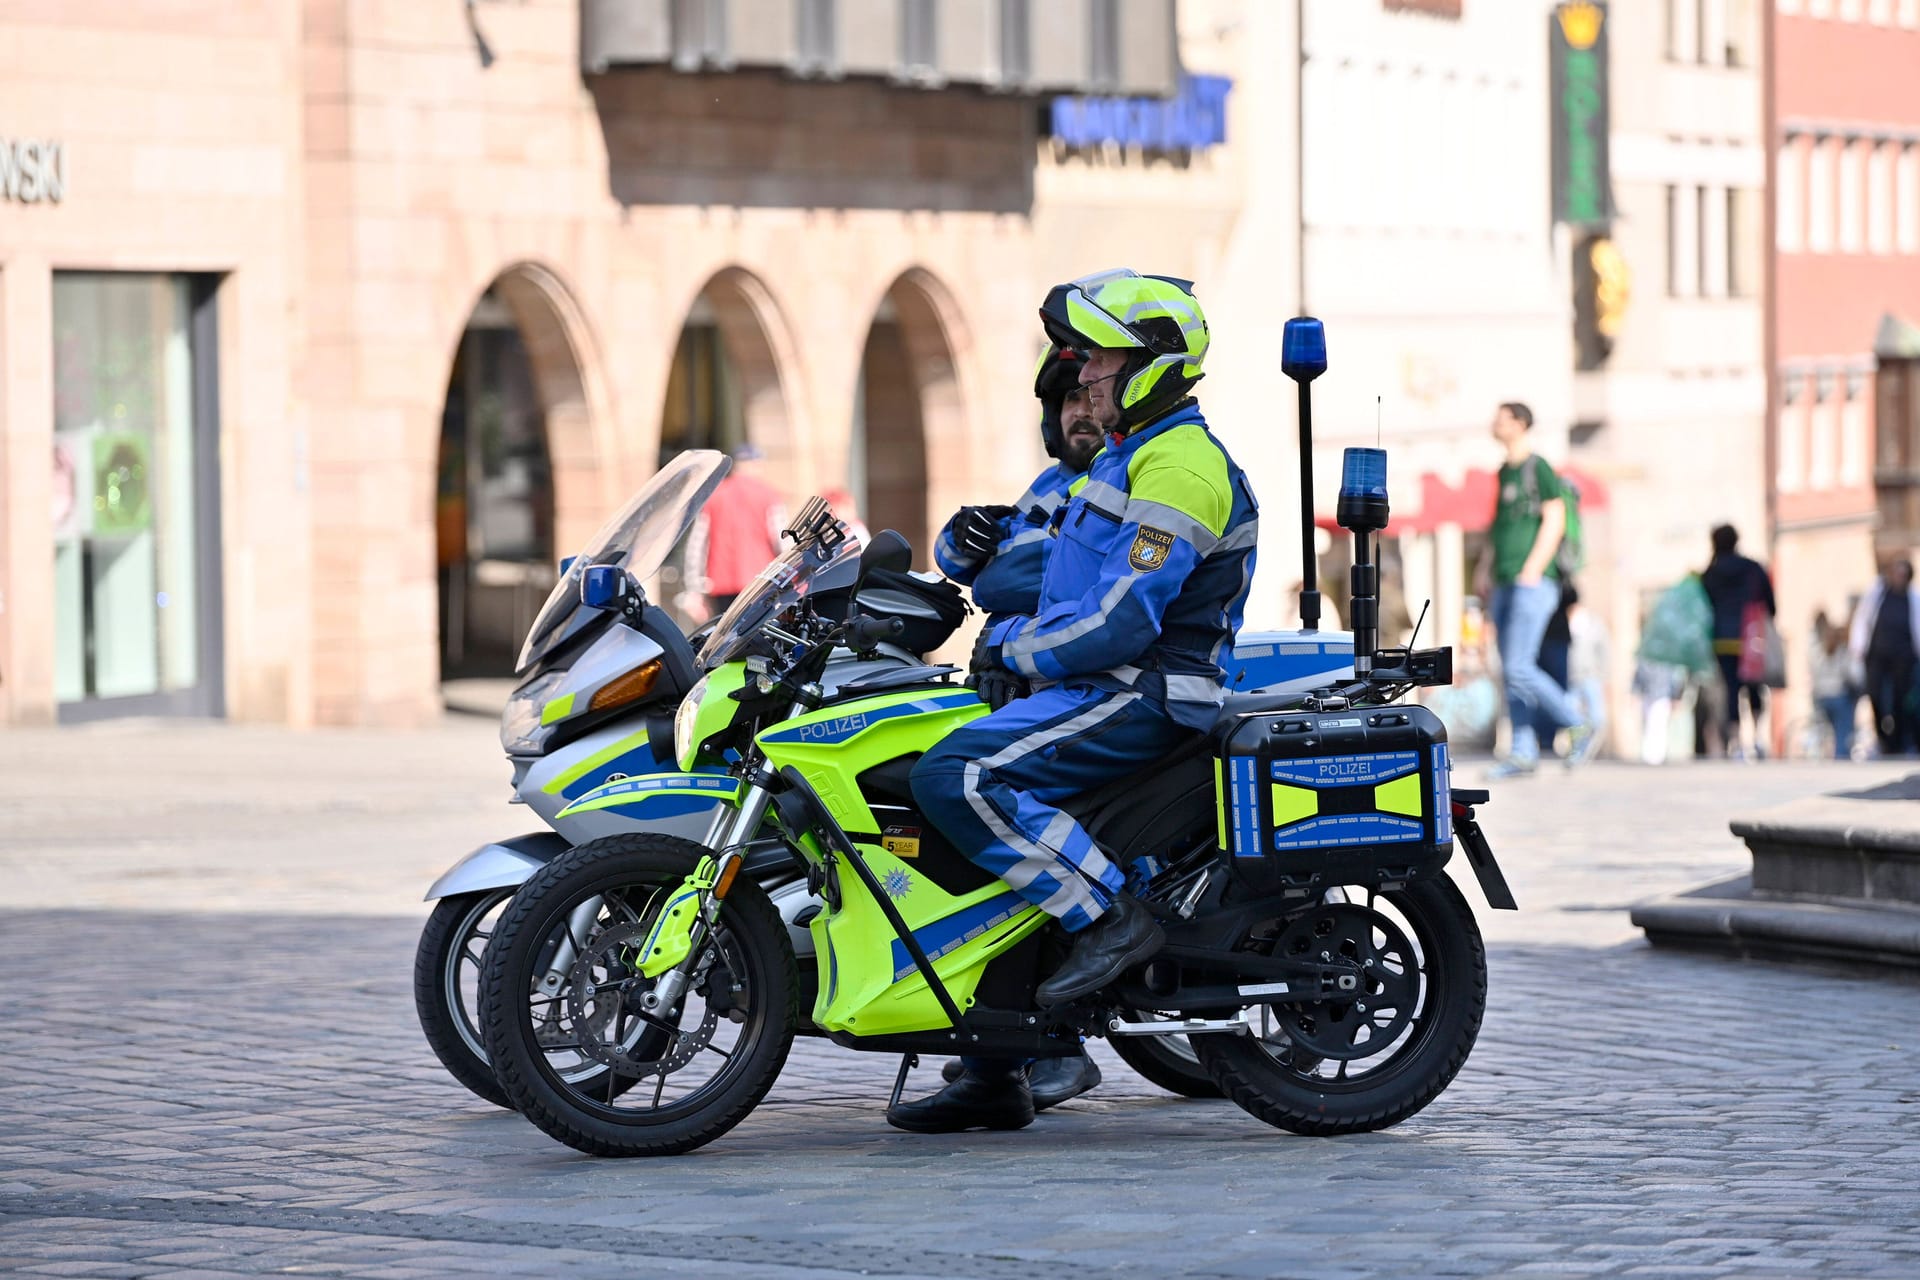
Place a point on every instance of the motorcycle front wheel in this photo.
(1367, 1060)
(675, 1078)
(446, 967)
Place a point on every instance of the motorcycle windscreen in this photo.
(639, 538)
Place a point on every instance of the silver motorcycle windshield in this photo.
(804, 567)
(639, 537)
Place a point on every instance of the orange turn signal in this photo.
(726, 879)
(631, 687)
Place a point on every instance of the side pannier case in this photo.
(1313, 799)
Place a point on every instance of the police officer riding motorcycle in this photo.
(1142, 593)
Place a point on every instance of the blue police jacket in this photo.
(1008, 582)
(1149, 575)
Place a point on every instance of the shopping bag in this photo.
(1775, 674)
(1753, 644)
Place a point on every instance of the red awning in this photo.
(1469, 504)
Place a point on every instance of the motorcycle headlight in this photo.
(683, 722)
(521, 733)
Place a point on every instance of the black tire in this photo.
(440, 990)
(1168, 1061)
(752, 942)
(1318, 1097)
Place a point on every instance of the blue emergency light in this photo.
(1363, 491)
(602, 586)
(1303, 349)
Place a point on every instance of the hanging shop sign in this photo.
(32, 171)
(1577, 84)
(1193, 119)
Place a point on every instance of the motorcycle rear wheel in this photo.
(749, 969)
(1408, 1033)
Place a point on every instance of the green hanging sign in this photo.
(1577, 83)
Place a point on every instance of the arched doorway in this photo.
(515, 386)
(724, 391)
(909, 434)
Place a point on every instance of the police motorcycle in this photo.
(593, 713)
(595, 705)
(1329, 975)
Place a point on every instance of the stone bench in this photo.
(1835, 877)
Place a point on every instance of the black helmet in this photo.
(1057, 374)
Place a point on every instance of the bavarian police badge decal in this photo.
(1150, 548)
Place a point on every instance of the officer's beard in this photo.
(1078, 449)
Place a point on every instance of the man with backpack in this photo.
(1528, 545)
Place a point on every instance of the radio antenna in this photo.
(1376, 422)
(1417, 621)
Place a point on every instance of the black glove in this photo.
(976, 530)
(1000, 687)
(984, 659)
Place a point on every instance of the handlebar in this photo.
(864, 634)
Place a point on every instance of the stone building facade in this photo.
(236, 316)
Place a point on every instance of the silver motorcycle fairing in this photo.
(503, 864)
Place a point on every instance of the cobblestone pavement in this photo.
(209, 1066)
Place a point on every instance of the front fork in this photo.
(730, 834)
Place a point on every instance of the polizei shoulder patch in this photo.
(1150, 548)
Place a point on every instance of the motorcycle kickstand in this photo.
(908, 1061)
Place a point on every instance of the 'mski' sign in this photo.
(32, 172)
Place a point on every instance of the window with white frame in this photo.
(1683, 30)
(1746, 232)
(1909, 13)
(1907, 200)
(1850, 10)
(1820, 195)
(1880, 213)
(1854, 442)
(1880, 12)
(1790, 196)
(1819, 8)
(1852, 189)
(1821, 453)
(1790, 468)
(1714, 237)
(1683, 241)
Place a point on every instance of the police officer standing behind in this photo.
(1142, 594)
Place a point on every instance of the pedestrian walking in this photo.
(1834, 691)
(737, 533)
(1675, 656)
(1529, 520)
(1885, 645)
(1741, 592)
(1588, 651)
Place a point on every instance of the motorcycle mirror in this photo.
(603, 586)
(886, 550)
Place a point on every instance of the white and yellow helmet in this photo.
(1156, 318)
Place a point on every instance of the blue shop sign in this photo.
(1195, 117)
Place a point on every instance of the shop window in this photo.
(135, 494)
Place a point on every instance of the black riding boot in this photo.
(984, 1097)
(1053, 1080)
(1121, 938)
